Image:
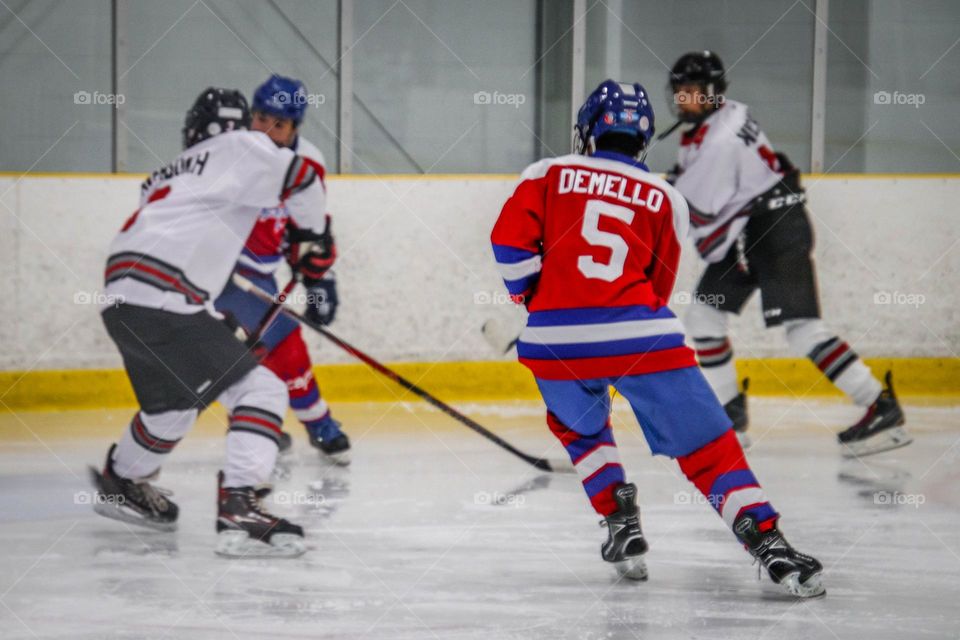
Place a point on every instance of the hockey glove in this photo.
(322, 300)
(311, 254)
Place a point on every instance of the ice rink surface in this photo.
(435, 533)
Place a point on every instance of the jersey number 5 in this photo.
(591, 232)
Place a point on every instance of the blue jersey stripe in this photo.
(596, 315)
(509, 255)
(599, 349)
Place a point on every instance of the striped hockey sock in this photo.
(252, 442)
(597, 461)
(844, 368)
(719, 470)
(148, 440)
(715, 356)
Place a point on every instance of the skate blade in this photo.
(886, 440)
(631, 569)
(341, 458)
(812, 588)
(117, 512)
(238, 544)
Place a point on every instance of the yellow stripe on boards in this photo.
(465, 381)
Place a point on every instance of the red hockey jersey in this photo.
(591, 245)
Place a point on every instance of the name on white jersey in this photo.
(187, 164)
(596, 183)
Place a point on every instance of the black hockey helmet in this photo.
(699, 67)
(704, 69)
(215, 111)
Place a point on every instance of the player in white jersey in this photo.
(749, 222)
(278, 108)
(172, 257)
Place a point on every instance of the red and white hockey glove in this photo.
(311, 254)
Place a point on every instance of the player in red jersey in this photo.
(278, 109)
(590, 243)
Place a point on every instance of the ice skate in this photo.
(132, 501)
(798, 574)
(625, 545)
(246, 530)
(737, 412)
(880, 429)
(332, 442)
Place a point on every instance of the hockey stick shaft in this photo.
(540, 463)
(276, 307)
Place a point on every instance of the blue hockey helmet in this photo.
(281, 97)
(614, 107)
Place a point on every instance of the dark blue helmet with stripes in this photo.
(281, 97)
(614, 107)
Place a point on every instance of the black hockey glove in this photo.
(322, 300)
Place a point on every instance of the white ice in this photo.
(435, 533)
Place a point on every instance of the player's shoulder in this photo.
(251, 145)
(726, 123)
(541, 168)
(309, 150)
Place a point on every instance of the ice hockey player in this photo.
(590, 243)
(749, 223)
(170, 260)
(278, 108)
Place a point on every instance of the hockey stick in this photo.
(552, 464)
(276, 307)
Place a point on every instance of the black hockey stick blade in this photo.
(544, 464)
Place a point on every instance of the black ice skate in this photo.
(332, 442)
(246, 530)
(737, 412)
(625, 545)
(880, 429)
(132, 501)
(797, 573)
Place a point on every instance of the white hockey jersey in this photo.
(177, 251)
(723, 165)
(263, 251)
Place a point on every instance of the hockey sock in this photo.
(715, 356)
(721, 473)
(291, 362)
(252, 443)
(149, 438)
(844, 368)
(597, 461)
